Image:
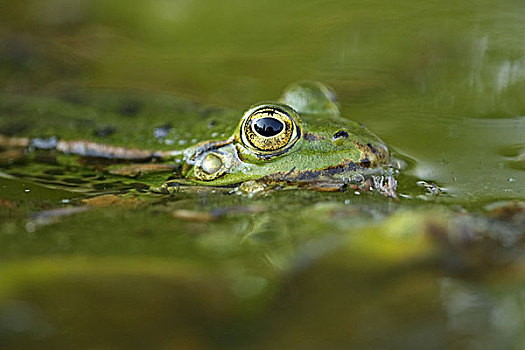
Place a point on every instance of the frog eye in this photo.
(269, 129)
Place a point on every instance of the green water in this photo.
(442, 83)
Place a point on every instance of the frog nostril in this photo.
(341, 134)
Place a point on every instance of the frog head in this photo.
(299, 139)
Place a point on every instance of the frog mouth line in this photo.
(363, 179)
(295, 175)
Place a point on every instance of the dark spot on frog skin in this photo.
(205, 112)
(369, 151)
(130, 108)
(105, 131)
(341, 134)
(312, 137)
(288, 173)
(365, 163)
(359, 145)
(14, 128)
(82, 124)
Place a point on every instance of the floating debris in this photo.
(47, 217)
(110, 199)
(12, 155)
(215, 214)
(92, 149)
(193, 215)
(134, 170)
(6, 203)
(432, 189)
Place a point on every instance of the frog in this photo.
(300, 140)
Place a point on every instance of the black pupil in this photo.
(268, 127)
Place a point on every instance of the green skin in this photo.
(321, 151)
(317, 156)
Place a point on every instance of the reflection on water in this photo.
(484, 318)
(442, 83)
(466, 157)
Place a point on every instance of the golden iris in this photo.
(268, 130)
